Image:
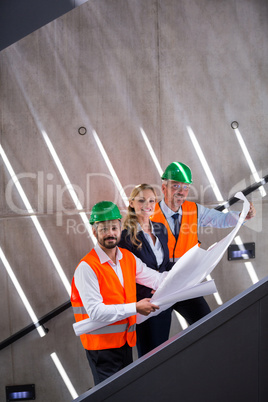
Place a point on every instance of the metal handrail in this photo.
(13, 338)
(247, 191)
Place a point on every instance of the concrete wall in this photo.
(114, 66)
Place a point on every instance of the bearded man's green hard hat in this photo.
(178, 171)
(104, 211)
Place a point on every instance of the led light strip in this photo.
(251, 271)
(110, 167)
(152, 153)
(182, 321)
(64, 375)
(205, 165)
(36, 222)
(21, 294)
(69, 186)
(216, 295)
(249, 160)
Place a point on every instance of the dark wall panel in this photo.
(263, 355)
(19, 18)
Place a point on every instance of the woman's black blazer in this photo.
(146, 254)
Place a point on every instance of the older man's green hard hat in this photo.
(104, 211)
(178, 171)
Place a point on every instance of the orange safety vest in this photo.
(117, 334)
(188, 229)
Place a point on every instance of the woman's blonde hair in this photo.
(131, 220)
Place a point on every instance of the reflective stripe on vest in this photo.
(113, 329)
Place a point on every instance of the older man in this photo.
(182, 219)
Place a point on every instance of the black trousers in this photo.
(106, 362)
(155, 330)
(193, 309)
(152, 332)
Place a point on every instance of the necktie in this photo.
(176, 224)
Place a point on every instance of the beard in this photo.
(109, 242)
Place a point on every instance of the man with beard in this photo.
(182, 219)
(104, 289)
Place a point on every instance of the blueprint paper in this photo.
(202, 289)
(193, 267)
(185, 280)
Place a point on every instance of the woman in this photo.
(148, 241)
